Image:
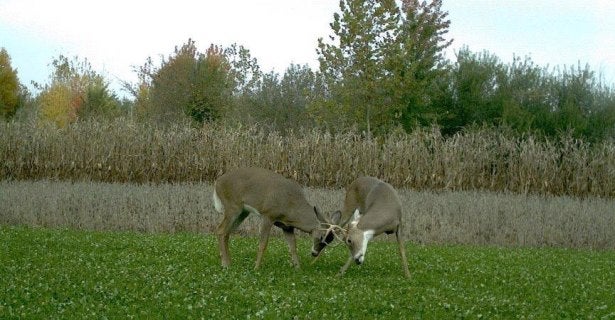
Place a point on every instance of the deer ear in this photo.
(356, 216)
(319, 215)
(352, 218)
(336, 217)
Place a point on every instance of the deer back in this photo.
(280, 199)
(378, 204)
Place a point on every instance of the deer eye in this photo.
(348, 241)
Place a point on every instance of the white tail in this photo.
(371, 207)
(279, 201)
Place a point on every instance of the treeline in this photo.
(382, 69)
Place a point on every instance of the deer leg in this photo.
(402, 253)
(224, 229)
(345, 267)
(223, 232)
(289, 235)
(264, 238)
(223, 247)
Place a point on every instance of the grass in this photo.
(63, 273)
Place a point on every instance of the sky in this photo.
(117, 35)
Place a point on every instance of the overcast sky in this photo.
(115, 35)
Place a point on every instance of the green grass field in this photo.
(51, 273)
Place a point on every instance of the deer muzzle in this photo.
(359, 259)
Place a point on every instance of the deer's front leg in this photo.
(289, 235)
(345, 267)
(402, 254)
(264, 238)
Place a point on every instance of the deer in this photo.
(371, 207)
(280, 202)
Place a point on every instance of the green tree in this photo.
(188, 84)
(528, 98)
(170, 94)
(385, 66)
(353, 66)
(420, 81)
(523, 91)
(10, 91)
(477, 81)
(282, 103)
(244, 69)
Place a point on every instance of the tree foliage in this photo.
(382, 68)
(75, 91)
(386, 63)
(354, 64)
(529, 98)
(282, 103)
(420, 82)
(194, 85)
(10, 90)
(244, 69)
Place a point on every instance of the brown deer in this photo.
(279, 201)
(371, 207)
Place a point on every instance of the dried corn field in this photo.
(125, 151)
(468, 217)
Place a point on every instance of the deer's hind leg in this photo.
(233, 216)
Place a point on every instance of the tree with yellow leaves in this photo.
(75, 91)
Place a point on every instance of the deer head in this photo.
(328, 231)
(357, 239)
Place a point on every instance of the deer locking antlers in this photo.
(371, 207)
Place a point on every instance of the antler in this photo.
(338, 231)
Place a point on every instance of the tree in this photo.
(187, 84)
(420, 71)
(75, 91)
(170, 93)
(244, 69)
(9, 87)
(386, 64)
(477, 82)
(212, 86)
(353, 65)
(528, 98)
(282, 103)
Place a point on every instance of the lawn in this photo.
(65, 273)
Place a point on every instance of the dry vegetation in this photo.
(125, 151)
(480, 187)
(447, 217)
